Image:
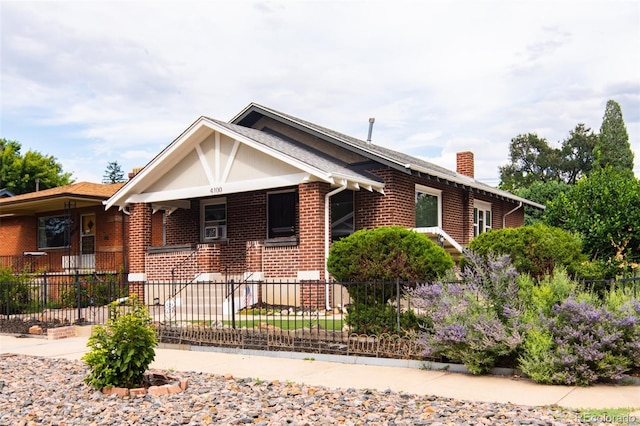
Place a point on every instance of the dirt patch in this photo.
(21, 326)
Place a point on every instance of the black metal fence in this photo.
(59, 299)
(370, 319)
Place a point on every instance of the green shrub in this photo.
(379, 319)
(122, 350)
(387, 254)
(92, 292)
(535, 250)
(15, 293)
(371, 261)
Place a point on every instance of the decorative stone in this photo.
(35, 329)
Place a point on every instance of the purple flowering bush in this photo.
(559, 333)
(474, 322)
(577, 339)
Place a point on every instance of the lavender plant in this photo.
(577, 339)
(581, 343)
(474, 322)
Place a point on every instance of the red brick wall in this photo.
(18, 234)
(139, 236)
(183, 225)
(156, 228)
(311, 233)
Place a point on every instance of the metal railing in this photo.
(60, 262)
(60, 299)
(366, 319)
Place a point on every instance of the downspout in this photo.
(504, 218)
(327, 237)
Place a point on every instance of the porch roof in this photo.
(213, 157)
(84, 194)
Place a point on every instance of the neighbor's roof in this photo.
(86, 193)
(381, 154)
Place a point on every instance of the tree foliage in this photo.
(533, 160)
(603, 208)
(18, 173)
(541, 193)
(613, 148)
(113, 173)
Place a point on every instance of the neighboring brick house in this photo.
(261, 197)
(63, 230)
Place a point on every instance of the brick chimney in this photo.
(464, 163)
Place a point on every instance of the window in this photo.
(428, 207)
(281, 211)
(481, 217)
(342, 215)
(214, 219)
(53, 232)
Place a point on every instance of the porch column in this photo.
(311, 198)
(139, 242)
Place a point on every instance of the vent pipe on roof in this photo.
(371, 121)
(37, 184)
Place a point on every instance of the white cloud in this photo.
(123, 79)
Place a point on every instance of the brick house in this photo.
(261, 198)
(63, 230)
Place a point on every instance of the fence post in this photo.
(79, 297)
(398, 303)
(44, 288)
(6, 284)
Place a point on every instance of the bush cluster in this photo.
(558, 332)
(121, 352)
(368, 262)
(535, 249)
(577, 338)
(475, 322)
(15, 293)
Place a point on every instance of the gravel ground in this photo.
(46, 391)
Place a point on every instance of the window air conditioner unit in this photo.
(211, 232)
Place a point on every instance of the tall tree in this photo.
(19, 173)
(532, 160)
(113, 173)
(577, 153)
(613, 148)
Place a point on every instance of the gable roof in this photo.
(300, 162)
(52, 199)
(397, 160)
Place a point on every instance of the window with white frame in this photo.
(481, 217)
(281, 214)
(53, 232)
(428, 207)
(213, 219)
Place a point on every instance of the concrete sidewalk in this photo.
(349, 372)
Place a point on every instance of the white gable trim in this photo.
(134, 190)
(221, 189)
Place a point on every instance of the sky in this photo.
(93, 82)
